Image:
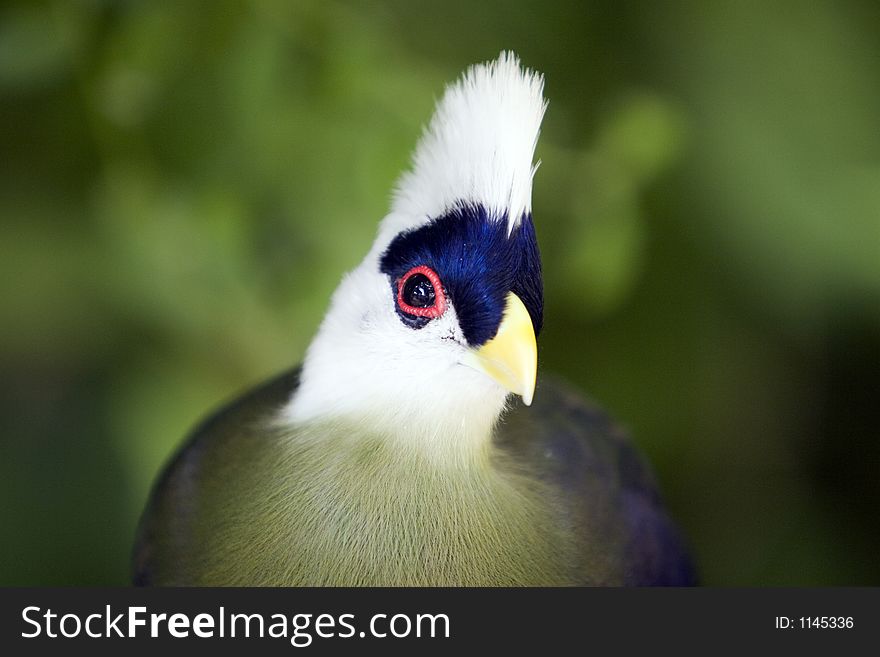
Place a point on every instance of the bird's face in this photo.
(467, 292)
(436, 327)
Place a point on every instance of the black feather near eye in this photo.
(480, 262)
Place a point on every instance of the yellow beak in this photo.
(511, 357)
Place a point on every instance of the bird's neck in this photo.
(449, 421)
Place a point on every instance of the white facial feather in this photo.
(365, 364)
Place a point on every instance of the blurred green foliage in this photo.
(184, 183)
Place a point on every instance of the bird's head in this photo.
(437, 326)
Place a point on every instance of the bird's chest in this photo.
(371, 522)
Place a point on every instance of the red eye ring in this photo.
(430, 312)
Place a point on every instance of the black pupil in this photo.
(418, 291)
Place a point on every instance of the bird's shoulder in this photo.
(569, 437)
(171, 514)
(602, 482)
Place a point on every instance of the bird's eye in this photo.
(420, 293)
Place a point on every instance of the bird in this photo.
(415, 444)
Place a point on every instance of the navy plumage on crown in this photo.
(478, 264)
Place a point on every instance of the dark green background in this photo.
(184, 183)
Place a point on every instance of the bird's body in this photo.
(249, 503)
(393, 456)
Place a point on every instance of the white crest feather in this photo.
(478, 147)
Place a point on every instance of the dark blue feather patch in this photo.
(478, 264)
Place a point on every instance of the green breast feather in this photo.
(248, 503)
